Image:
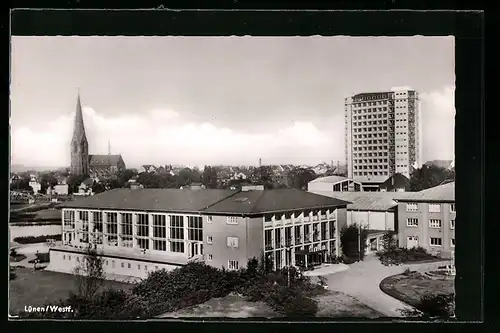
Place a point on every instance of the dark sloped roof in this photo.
(162, 200)
(262, 201)
(104, 159)
(209, 201)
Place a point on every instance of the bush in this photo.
(389, 240)
(36, 239)
(350, 240)
(290, 302)
(441, 306)
(41, 257)
(398, 256)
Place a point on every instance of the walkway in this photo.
(362, 281)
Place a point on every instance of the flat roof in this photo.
(330, 179)
(208, 201)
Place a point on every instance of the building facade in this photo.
(165, 228)
(382, 134)
(427, 219)
(335, 184)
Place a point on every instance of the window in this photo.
(209, 239)
(209, 257)
(159, 226)
(159, 245)
(129, 265)
(177, 227)
(107, 263)
(434, 208)
(143, 243)
(143, 225)
(434, 223)
(412, 222)
(452, 242)
(78, 259)
(113, 263)
(232, 265)
(122, 264)
(97, 217)
(177, 247)
(209, 219)
(411, 207)
(156, 267)
(452, 208)
(195, 228)
(138, 267)
(126, 224)
(64, 257)
(232, 220)
(232, 242)
(452, 224)
(435, 241)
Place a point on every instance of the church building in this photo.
(84, 164)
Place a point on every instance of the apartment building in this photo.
(141, 230)
(381, 135)
(427, 219)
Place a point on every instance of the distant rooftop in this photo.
(329, 179)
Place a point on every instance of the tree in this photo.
(89, 274)
(429, 176)
(300, 177)
(351, 241)
(75, 181)
(47, 180)
(98, 187)
(209, 177)
(389, 240)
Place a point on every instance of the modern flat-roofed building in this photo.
(376, 211)
(381, 135)
(335, 184)
(140, 230)
(427, 219)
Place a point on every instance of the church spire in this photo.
(79, 126)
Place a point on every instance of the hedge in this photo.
(36, 239)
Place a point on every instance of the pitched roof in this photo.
(104, 159)
(209, 201)
(151, 199)
(263, 201)
(369, 201)
(79, 130)
(441, 193)
(329, 179)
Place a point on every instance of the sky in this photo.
(217, 100)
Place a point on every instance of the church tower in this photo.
(79, 145)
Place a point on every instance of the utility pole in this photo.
(359, 242)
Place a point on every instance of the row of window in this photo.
(369, 129)
(315, 213)
(372, 123)
(231, 241)
(438, 241)
(433, 223)
(370, 160)
(107, 262)
(369, 135)
(433, 208)
(370, 173)
(302, 234)
(375, 116)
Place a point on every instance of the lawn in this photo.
(335, 304)
(39, 288)
(231, 306)
(410, 289)
(332, 305)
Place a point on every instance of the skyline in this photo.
(197, 101)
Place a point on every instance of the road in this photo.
(362, 281)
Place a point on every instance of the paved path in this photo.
(362, 281)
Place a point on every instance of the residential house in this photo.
(427, 219)
(395, 183)
(35, 185)
(85, 188)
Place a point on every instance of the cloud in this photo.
(161, 136)
(401, 88)
(438, 124)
